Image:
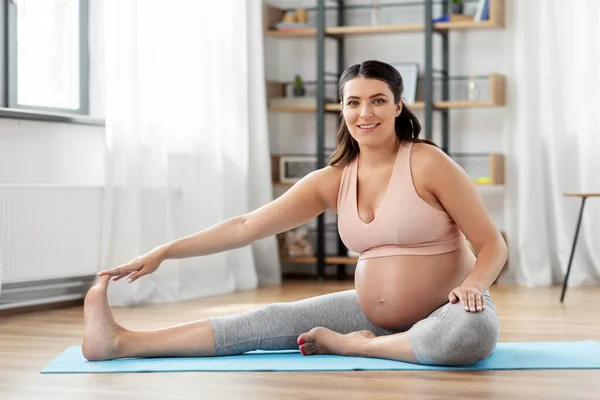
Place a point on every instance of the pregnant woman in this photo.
(420, 295)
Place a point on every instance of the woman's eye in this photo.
(379, 101)
(352, 103)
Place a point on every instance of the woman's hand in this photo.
(139, 266)
(470, 297)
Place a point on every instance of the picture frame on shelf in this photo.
(292, 168)
(410, 77)
(296, 242)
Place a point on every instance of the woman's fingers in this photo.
(452, 298)
(471, 298)
(122, 269)
(118, 277)
(135, 276)
(462, 298)
(478, 302)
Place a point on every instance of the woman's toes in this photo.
(303, 349)
(304, 338)
(308, 349)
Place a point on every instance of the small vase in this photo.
(299, 91)
(457, 8)
(472, 90)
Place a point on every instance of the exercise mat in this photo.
(506, 356)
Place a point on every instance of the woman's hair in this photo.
(407, 126)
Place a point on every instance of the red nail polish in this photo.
(301, 341)
(302, 351)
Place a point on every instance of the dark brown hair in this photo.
(407, 126)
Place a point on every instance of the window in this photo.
(47, 55)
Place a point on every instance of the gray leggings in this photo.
(448, 336)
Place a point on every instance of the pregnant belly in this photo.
(398, 291)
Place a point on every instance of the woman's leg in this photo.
(104, 339)
(273, 327)
(448, 336)
(456, 337)
(277, 326)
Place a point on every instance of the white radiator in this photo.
(49, 242)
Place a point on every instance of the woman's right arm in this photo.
(304, 201)
(300, 204)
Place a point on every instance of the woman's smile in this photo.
(368, 128)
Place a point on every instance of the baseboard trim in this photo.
(44, 292)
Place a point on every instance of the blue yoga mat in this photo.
(508, 355)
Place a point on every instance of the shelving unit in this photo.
(383, 29)
(496, 99)
(320, 33)
(275, 14)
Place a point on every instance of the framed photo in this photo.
(294, 168)
(296, 243)
(410, 76)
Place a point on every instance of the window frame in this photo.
(9, 86)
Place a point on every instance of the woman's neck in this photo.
(375, 157)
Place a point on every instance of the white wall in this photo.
(472, 52)
(50, 153)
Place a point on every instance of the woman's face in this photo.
(369, 111)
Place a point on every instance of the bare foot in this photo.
(101, 332)
(325, 341)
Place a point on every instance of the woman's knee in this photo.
(476, 336)
(457, 337)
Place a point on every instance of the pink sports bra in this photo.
(404, 224)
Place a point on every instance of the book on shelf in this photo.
(482, 13)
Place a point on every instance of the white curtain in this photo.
(1, 268)
(186, 141)
(555, 141)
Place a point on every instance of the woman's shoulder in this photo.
(426, 155)
(328, 181)
(330, 176)
(429, 163)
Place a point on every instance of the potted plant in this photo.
(299, 89)
(457, 6)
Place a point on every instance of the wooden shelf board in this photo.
(278, 183)
(341, 260)
(464, 104)
(443, 26)
(292, 108)
(328, 107)
(382, 29)
(496, 99)
(489, 184)
(300, 32)
(414, 106)
(299, 260)
(372, 29)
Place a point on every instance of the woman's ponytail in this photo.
(407, 125)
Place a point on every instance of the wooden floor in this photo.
(29, 341)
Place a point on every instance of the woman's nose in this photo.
(366, 111)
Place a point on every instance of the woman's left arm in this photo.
(457, 193)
